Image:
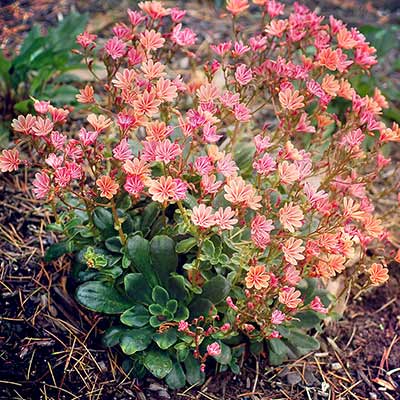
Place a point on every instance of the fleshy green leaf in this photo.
(193, 374)
(112, 336)
(160, 296)
(166, 339)
(99, 297)
(163, 256)
(216, 289)
(136, 287)
(225, 357)
(176, 379)
(136, 317)
(158, 363)
(135, 340)
(185, 245)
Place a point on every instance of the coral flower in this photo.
(292, 250)
(151, 40)
(115, 48)
(9, 160)
(290, 297)
(277, 317)
(99, 122)
(162, 190)
(203, 216)
(378, 274)
(317, 305)
(257, 277)
(224, 218)
(108, 187)
(291, 216)
(236, 7)
(288, 173)
(291, 99)
(86, 95)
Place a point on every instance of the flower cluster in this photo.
(264, 204)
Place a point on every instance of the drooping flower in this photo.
(257, 277)
(9, 160)
(107, 186)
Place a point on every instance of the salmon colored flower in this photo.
(291, 100)
(378, 274)
(373, 226)
(147, 103)
(345, 39)
(154, 9)
(107, 186)
(225, 218)
(151, 40)
(162, 190)
(115, 48)
(99, 122)
(203, 216)
(257, 277)
(86, 95)
(288, 173)
(277, 317)
(290, 297)
(236, 7)
(293, 250)
(9, 160)
(316, 305)
(397, 257)
(291, 216)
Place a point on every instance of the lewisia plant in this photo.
(209, 211)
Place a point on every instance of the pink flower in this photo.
(224, 218)
(85, 39)
(291, 216)
(292, 276)
(181, 189)
(260, 229)
(210, 184)
(41, 185)
(203, 216)
(166, 151)
(122, 151)
(242, 113)
(292, 250)
(166, 90)
(151, 40)
(183, 37)
(54, 161)
(239, 193)
(41, 107)
(231, 304)
(162, 190)
(42, 127)
(24, 124)
(134, 185)
(108, 187)
(277, 317)
(9, 160)
(265, 165)
(115, 48)
(183, 326)
(317, 305)
(243, 75)
(290, 297)
(99, 122)
(214, 349)
(86, 95)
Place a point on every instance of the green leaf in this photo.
(305, 342)
(172, 306)
(163, 256)
(57, 250)
(138, 250)
(308, 319)
(186, 245)
(103, 219)
(135, 340)
(96, 296)
(208, 248)
(166, 339)
(277, 346)
(176, 378)
(225, 357)
(136, 317)
(181, 314)
(176, 287)
(200, 307)
(158, 363)
(216, 289)
(136, 287)
(112, 336)
(160, 296)
(150, 214)
(193, 374)
(113, 244)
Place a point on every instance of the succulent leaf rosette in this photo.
(208, 211)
